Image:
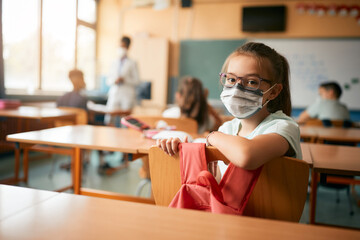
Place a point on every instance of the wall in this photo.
(207, 19)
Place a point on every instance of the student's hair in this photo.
(77, 78)
(279, 72)
(193, 102)
(75, 73)
(332, 86)
(126, 40)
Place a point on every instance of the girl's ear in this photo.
(275, 91)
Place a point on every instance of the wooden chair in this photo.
(280, 192)
(188, 125)
(81, 117)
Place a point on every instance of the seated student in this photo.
(75, 98)
(327, 106)
(191, 102)
(256, 92)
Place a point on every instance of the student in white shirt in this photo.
(328, 106)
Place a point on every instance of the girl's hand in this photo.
(170, 145)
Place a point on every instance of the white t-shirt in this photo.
(328, 109)
(277, 122)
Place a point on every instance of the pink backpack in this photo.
(200, 190)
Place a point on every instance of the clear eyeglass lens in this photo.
(251, 82)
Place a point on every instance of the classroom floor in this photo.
(45, 173)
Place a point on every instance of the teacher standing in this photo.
(123, 80)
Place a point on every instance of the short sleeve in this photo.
(230, 127)
(288, 130)
(173, 112)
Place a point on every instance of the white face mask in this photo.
(242, 103)
(122, 52)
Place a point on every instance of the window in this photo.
(41, 47)
(21, 43)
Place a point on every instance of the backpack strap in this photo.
(194, 153)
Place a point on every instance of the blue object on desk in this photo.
(104, 88)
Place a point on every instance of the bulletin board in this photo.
(313, 61)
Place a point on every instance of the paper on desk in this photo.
(172, 134)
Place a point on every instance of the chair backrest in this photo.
(188, 125)
(313, 122)
(81, 117)
(280, 192)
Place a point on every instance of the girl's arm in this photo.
(249, 154)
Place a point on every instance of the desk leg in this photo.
(76, 162)
(314, 180)
(17, 161)
(26, 164)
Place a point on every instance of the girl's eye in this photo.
(231, 80)
(253, 82)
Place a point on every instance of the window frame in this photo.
(39, 83)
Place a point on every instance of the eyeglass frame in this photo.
(241, 80)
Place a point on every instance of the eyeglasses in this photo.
(250, 82)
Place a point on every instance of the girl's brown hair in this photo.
(280, 71)
(193, 101)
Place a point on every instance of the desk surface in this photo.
(331, 133)
(339, 134)
(306, 155)
(15, 199)
(87, 137)
(336, 159)
(28, 112)
(79, 217)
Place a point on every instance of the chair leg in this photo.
(53, 164)
(349, 199)
(337, 196)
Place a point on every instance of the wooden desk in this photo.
(77, 137)
(338, 134)
(331, 159)
(306, 154)
(28, 112)
(100, 109)
(308, 133)
(26, 118)
(16, 199)
(321, 134)
(67, 216)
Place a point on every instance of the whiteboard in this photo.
(313, 61)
